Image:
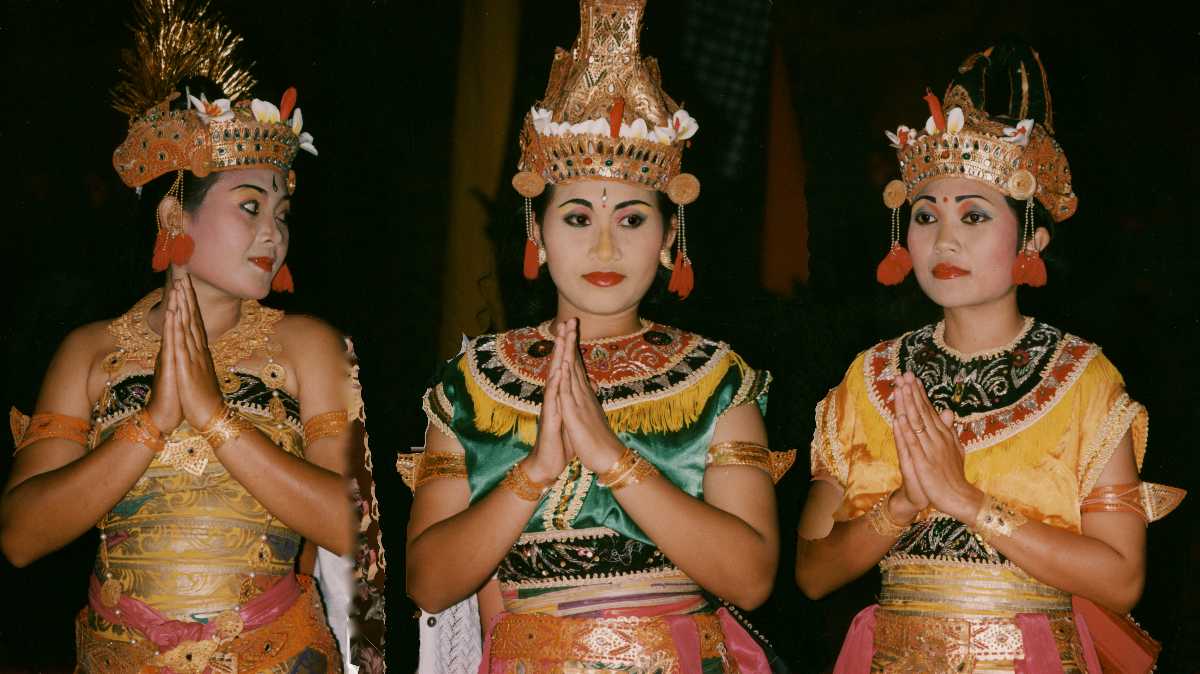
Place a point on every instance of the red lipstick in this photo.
(604, 279)
(946, 272)
(263, 263)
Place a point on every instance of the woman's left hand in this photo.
(586, 426)
(937, 456)
(199, 394)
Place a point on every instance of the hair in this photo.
(541, 297)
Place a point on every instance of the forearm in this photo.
(454, 557)
(718, 550)
(850, 550)
(51, 509)
(1075, 563)
(309, 499)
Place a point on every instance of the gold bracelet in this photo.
(641, 470)
(519, 483)
(881, 520)
(225, 425)
(995, 518)
(141, 429)
(621, 466)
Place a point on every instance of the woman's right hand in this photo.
(549, 456)
(164, 407)
(910, 498)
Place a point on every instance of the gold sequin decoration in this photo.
(273, 375)
(110, 592)
(187, 451)
(229, 625)
(277, 410)
(229, 382)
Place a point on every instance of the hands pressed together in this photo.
(185, 381)
(572, 423)
(932, 460)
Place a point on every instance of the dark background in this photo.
(377, 83)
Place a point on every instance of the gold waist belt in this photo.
(626, 594)
(940, 645)
(548, 643)
(952, 589)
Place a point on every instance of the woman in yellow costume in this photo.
(593, 478)
(204, 434)
(988, 463)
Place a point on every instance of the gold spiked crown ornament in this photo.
(175, 40)
(960, 140)
(605, 116)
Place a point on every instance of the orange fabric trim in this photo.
(53, 425)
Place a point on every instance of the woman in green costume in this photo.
(595, 479)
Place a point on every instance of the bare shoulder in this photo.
(310, 336)
(68, 386)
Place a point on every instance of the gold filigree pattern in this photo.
(42, 425)
(325, 425)
(438, 465)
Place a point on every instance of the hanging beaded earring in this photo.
(682, 190)
(530, 185)
(172, 245)
(1029, 268)
(896, 265)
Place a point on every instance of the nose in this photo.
(946, 241)
(604, 249)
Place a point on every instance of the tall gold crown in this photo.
(176, 39)
(1022, 161)
(604, 114)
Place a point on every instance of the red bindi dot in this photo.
(945, 199)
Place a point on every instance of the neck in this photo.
(985, 326)
(599, 326)
(219, 309)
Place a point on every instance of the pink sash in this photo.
(167, 633)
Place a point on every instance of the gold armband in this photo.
(519, 483)
(995, 518)
(738, 453)
(225, 425)
(326, 425)
(47, 425)
(435, 465)
(1147, 500)
(881, 520)
(140, 429)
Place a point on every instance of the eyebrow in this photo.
(926, 197)
(253, 187)
(631, 202)
(581, 202)
(964, 197)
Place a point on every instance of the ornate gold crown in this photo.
(1020, 161)
(211, 136)
(174, 40)
(604, 114)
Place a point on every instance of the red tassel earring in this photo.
(896, 265)
(535, 255)
(683, 277)
(172, 245)
(1029, 269)
(282, 283)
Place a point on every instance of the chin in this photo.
(603, 301)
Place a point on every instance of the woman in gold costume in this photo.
(595, 477)
(988, 463)
(204, 434)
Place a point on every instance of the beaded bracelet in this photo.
(641, 470)
(995, 518)
(519, 483)
(881, 520)
(619, 467)
(141, 429)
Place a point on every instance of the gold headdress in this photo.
(177, 39)
(605, 116)
(1022, 161)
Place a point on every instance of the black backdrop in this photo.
(377, 86)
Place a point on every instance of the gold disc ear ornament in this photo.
(528, 184)
(894, 194)
(1022, 185)
(683, 189)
